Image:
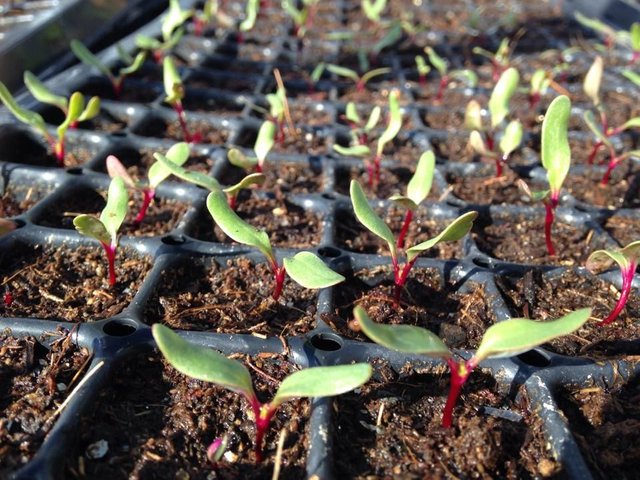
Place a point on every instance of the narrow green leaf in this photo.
(419, 186)
(466, 75)
(147, 43)
(635, 36)
(369, 218)
(172, 82)
(41, 93)
(473, 116)
(22, 114)
(421, 65)
(390, 38)
(91, 110)
(251, 14)
(555, 150)
(593, 80)
(517, 335)
(376, 113)
(511, 137)
(322, 382)
(395, 121)
(594, 24)
(178, 154)
(85, 56)
(631, 123)
(594, 126)
(317, 72)
(602, 258)
(453, 232)
(115, 211)
(202, 363)
(374, 73)
(238, 159)
(236, 228)
(123, 54)
(75, 109)
(501, 96)
(342, 71)
(539, 81)
(476, 142)
(437, 61)
(632, 76)
(135, 65)
(265, 140)
(246, 182)
(91, 227)
(402, 338)
(175, 18)
(197, 178)
(351, 113)
(353, 151)
(310, 271)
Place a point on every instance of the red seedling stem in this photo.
(405, 228)
(627, 280)
(534, 100)
(263, 414)
(279, 273)
(634, 57)
(499, 162)
(460, 372)
(594, 151)
(59, 152)
(149, 194)
(549, 206)
(7, 298)
(613, 162)
(177, 106)
(401, 278)
(233, 201)
(444, 81)
(110, 250)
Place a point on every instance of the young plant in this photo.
(360, 80)
(370, 219)
(132, 64)
(77, 111)
(540, 81)
(304, 268)
(177, 154)
(611, 36)
(442, 66)
(627, 260)
(205, 364)
(251, 15)
(556, 160)
(172, 31)
(210, 11)
(264, 143)
(360, 130)
(302, 17)
(393, 128)
(372, 9)
(105, 229)
(174, 89)
(499, 60)
(504, 339)
(482, 139)
(423, 70)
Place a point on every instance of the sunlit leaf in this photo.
(178, 154)
(308, 270)
(511, 137)
(369, 218)
(501, 96)
(555, 150)
(265, 140)
(115, 211)
(593, 80)
(353, 151)
(395, 122)
(420, 183)
(41, 93)
(453, 232)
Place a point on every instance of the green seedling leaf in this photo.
(632, 76)
(351, 113)
(115, 211)
(473, 116)
(22, 114)
(437, 61)
(92, 110)
(76, 107)
(421, 65)
(342, 71)
(178, 154)
(251, 14)
(134, 65)
(41, 93)
(353, 151)
(595, 24)
(265, 140)
(631, 123)
(419, 186)
(539, 81)
(317, 72)
(147, 43)
(202, 363)
(468, 76)
(322, 382)
(374, 73)
(236, 228)
(123, 54)
(172, 82)
(517, 335)
(594, 126)
(246, 182)
(395, 122)
(92, 227)
(373, 9)
(454, 231)
(476, 142)
(197, 178)
(6, 226)
(376, 112)
(308, 270)
(239, 159)
(536, 196)
(601, 259)
(85, 56)
(175, 18)
(555, 151)
(501, 96)
(402, 338)
(635, 36)
(511, 137)
(593, 80)
(391, 37)
(369, 218)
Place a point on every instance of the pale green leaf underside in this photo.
(236, 228)
(22, 114)
(202, 363)
(323, 381)
(172, 81)
(239, 159)
(246, 182)
(453, 232)
(511, 138)
(555, 150)
(265, 140)
(419, 186)
(404, 202)
(518, 335)
(368, 217)
(373, 119)
(593, 80)
(603, 258)
(354, 151)
(403, 338)
(501, 96)
(115, 211)
(308, 270)
(178, 154)
(91, 227)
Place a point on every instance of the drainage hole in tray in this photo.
(328, 342)
(119, 328)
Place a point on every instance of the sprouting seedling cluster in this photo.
(172, 32)
(105, 228)
(360, 130)
(264, 143)
(302, 16)
(205, 364)
(625, 38)
(483, 140)
(211, 11)
(132, 64)
(360, 80)
(556, 160)
(627, 260)
(175, 92)
(74, 108)
(500, 59)
(504, 339)
(446, 75)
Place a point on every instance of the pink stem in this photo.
(263, 414)
(110, 250)
(279, 273)
(444, 81)
(490, 142)
(603, 120)
(405, 228)
(401, 279)
(613, 162)
(499, 162)
(634, 57)
(460, 372)
(534, 99)
(232, 200)
(117, 87)
(183, 121)
(149, 194)
(596, 146)
(627, 279)
(59, 151)
(422, 80)
(548, 221)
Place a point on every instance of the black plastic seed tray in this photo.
(178, 268)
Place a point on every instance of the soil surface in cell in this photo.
(282, 177)
(391, 181)
(235, 298)
(459, 318)
(19, 198)
(158, 423)
(623, 229)
(392, 429)
(34, 382)
(68, 284)
(488, 189)
(200, 130)
(548, 298)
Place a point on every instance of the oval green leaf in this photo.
(265, 140)
(177, 155)
(115, 211)
(91, 227)
(353, 151)
(308, 270)
(25, 116)
(511, 137)
(501, 96)
(419, 186)
(246, 182)
(41, 93)
(454, 231)
(593, 80)
(369, 218)
(85, 56)
(555, 150)
(197, 178)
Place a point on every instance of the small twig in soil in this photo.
(262, 373)
(278, 460)
(90, 374)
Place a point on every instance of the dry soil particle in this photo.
(460, 319)
(163, 426)
(235, 298)
(606, 425)
(34, 382)
(68, 284)
(541, 298)
(392, 429)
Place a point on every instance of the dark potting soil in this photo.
(459, 318)
(69, 284)
(606, 425)
(624, 230)
(539, 298)
(235, 298)
(392, 181)
(392, 429)
(17, 199)
(158, 423)
(617, 193)
(282, 177)
(207, 133)
(353, 236)
(34, 382)
(522, 241)
(489, 190)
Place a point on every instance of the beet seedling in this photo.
(172, 31)
(556, 160)
(76, 111)
(133, 64)
(264, 143)
(370, 219)
(611, 36)
(360, 130)
(540, 81)
(423, 70)
(500, 60)
(627, 260)
(372, 9)
(177, 154)
(360, 80)
(251, 15)
(304, 268)
(210, 11)
(302, 17)
(504, 339)
(442, 66)
(174, 89)
(205, 364)
(105, 229)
